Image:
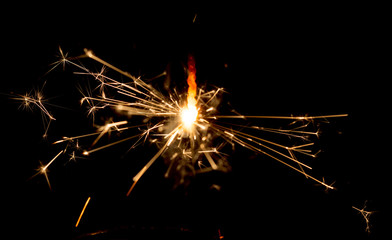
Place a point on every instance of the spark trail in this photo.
(82, 212)
(366, 215)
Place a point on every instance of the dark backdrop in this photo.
(272, 60)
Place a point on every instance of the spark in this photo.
(82, 212)
(305, 118)
(44, 169)
(62, 60)
(366, 215)
(35, 98)
(194, 18)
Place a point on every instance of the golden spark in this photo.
(82, 212)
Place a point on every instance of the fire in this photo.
(191, 81)
(189, 113)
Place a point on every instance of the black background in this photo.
(272, 60)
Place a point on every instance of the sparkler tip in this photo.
(189, 116)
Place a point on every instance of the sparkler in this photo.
(190, 133)
(187, 127)
(44, 168)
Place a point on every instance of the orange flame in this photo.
(191, 82)
(189, 112)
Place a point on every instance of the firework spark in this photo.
(366, 215)
(36, 99)
(82, 212)
(190, 133)
(43, 169)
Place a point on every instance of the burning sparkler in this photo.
(187, 128)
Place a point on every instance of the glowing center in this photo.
(189, 116)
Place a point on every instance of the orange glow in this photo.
(191, 81)
(189, 113)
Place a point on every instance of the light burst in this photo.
(36, 99)
(188, 128)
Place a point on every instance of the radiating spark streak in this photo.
(151, 90)
(131, 94)
(279, 117)
(106, 100)
(290, 166)
(37, 101)
(51, 161)
(366, 215)
(152, 160)
(174, 134)
(143, 112)
(244, 144)
(141, 135)
(194, 18)
(81, 213)
(299, 165)
(213, 96)
(208, 151)
(131, 188)
(44, 169)
(140, 110)
(288, 132)
(65, 139)
(252, 138)
(145, 135)
(63, 60)
(111, 144)
(148, 165)
(282, 131)
(106, 129)
(150, 106)
(301, 146)
(209, 158)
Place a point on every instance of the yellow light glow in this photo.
(189, 116)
